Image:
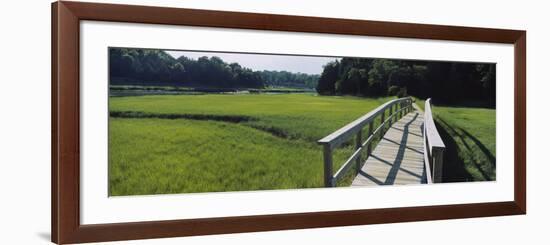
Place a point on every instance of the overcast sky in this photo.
(260, 62)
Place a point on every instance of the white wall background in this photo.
(25, 121)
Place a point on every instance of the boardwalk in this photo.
(410, 151)
(399, 156)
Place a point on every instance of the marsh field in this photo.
(224, 142)
(161, 144)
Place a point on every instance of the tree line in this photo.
(445, 82)
(128, 66)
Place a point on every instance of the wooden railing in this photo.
(398, 108)
(433, 147)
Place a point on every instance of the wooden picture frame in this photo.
(65, 177)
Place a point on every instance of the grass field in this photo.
(469, 137)
(224, 142)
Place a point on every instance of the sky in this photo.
(260, 62)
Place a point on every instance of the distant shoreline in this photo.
(137, 90)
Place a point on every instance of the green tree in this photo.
(327, 81)
(380, 75)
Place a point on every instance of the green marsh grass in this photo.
(274, 148)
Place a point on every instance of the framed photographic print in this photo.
(177, 122)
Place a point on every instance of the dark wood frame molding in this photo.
(66, 227)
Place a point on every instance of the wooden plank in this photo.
(398, 158)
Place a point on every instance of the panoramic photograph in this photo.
(203, 121)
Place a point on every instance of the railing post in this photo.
(369, 134)
(437, 164)
(396, 108)
(358, 143)
(391, 115)
(397, 114)
(327, 157)
(383, 129)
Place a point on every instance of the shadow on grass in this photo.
(454, 169)
(481, 146)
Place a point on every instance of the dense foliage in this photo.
(156, 67)
(445, 82)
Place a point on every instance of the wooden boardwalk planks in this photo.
(399, 156)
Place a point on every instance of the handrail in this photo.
(343, 134)
(433, 146)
